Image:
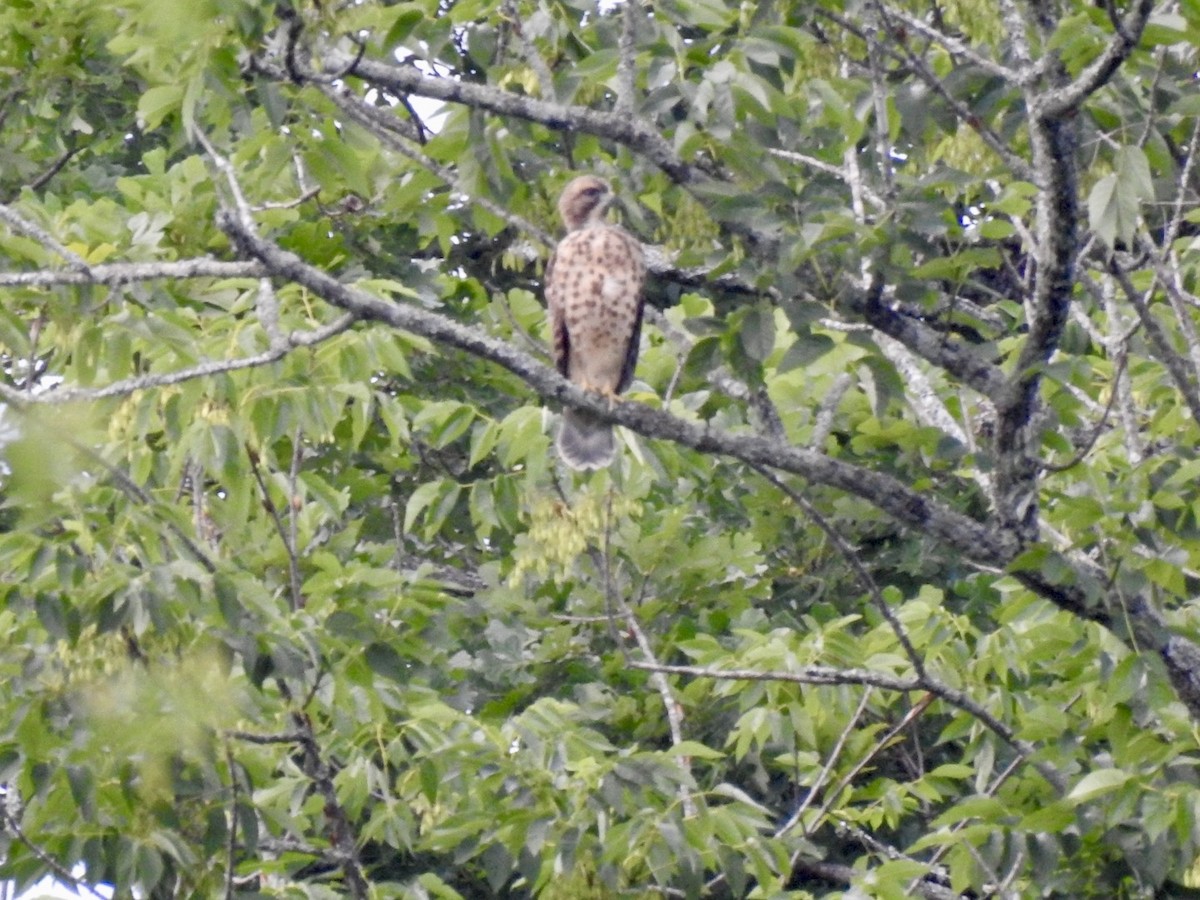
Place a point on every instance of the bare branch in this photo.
(1099, 428)
(1014, 24)
(135, 490)
(823, 421)
(268, 503)
(828, 675)
(1053, 144)
(57, 166)
(341, 836)
(886, 738)
(382, 125)
(305, 196)
(1176, 365)
(963, 362)
(823, 776)
(1016, 164)
(879, 99)
(860, 571)
(671, 706)
(266, 304)
(293, 535)
(250, 737)
(1181, 192)
(799, 675)
(231, 840)
(241, 204)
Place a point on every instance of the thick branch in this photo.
(1078, 591)
(961, 361)
(341, 835)
(900, 501)
(1053, 142)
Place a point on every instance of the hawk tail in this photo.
(584, 442)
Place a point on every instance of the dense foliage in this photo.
(888, 593)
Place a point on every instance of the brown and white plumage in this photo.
(594, 293)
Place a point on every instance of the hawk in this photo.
(594, 293)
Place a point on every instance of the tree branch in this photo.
(341, 836)
(892, 496)
(828, 675)
(21, 225)
(1053, 141)
(1069, 97)
(963, 362)
(956, 47)
(1079, 592)
(115, 274)
(163, 379)
(622, 129)
(10, 823)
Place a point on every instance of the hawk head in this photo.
(584, 202)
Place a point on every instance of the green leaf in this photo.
(157, 103)
(384, 660)
(1053, 818)
(1097, 784)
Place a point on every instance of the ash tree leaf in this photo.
(1097, 784)
(1114, 203)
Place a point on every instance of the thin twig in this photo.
(307, 195)
(203, 370)
(837, 172)
(250, 737)
(860, 571)
(1099, 428)
(268, 504)
(61, 873)
(955, 46)
(21, 225)
(231, 842)
(831, 796)
(294, 519)
(1181, 192)
(57, 166)
(815, 789)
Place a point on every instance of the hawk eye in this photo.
(592, 192)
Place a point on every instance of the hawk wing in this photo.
(631, 352)
(560, 340)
